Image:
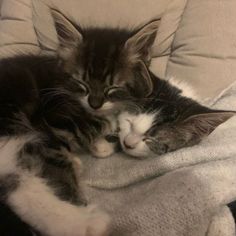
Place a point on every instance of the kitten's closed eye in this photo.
(116, 93)
(78, 87)
(82, 88)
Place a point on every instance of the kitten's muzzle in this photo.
(128, 146)
(95, 102)
(131, 141)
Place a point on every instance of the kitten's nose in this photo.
(95, 102)
(131, 141)
(128, 146)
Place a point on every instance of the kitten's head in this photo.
(167, 128)
(109, 66)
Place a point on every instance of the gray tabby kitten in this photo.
(165, 121)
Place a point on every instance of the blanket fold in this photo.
(180, 193)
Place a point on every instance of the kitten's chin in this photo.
(102, 112)
(108, 108)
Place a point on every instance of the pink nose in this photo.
(128, 146)
(131, 141)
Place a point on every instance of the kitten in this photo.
(110, 65)
(42, 127)
(44, 120)
(166, 121)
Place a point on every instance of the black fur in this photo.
(36, 99)
(232, 207)
(12, 225)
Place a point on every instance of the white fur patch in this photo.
(187, 90)
(142, 123)
(132, 130)
(36, 204)
(139, 124)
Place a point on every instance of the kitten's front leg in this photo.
(104, 146)
(37, 205)
(107, 143)
(35, 202)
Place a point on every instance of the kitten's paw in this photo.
(82, 221)
(98, 222)
(101, 148)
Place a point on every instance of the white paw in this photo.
(86, 221)
(98, 222)
(102, 149)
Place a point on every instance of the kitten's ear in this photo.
(68, 35)
(139, 45)
(202, 125)
(147, 80)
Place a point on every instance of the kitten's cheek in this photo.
(122, 134)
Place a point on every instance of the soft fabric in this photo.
(195, 42)
(203, 51)
(181, 193)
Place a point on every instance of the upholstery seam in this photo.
(181, 19)
(174, 37)
(35, 32)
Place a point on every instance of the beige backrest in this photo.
(195, 41)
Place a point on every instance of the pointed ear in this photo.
(139, 45)
(142, 83)
(68, 35)
(147, 80)
(202, 125)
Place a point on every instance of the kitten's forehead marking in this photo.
(141, 123)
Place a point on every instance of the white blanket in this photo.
(177, 194)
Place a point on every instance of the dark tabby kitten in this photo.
(43, 110)
(42, 127)
(165, 121)
(110, 65)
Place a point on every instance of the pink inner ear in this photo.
(139, 45)
(68, 35)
